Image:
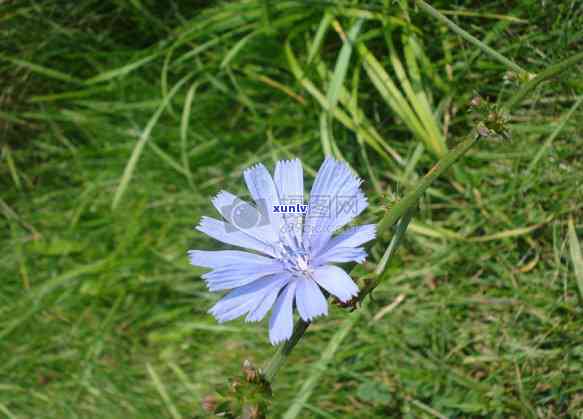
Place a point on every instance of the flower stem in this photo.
(379, 272)
(283, 351)
(546, 74)
(468, 37)
(411, 198)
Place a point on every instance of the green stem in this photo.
(283, 351)
(409, 200)
(379, 272)
(546, 74)
(468, 37)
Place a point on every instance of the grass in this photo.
(119, 121)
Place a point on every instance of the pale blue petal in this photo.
(246, 298)
(310, 301)
(353, 237)
(281, 323)
(266, 303)
(262, 189)
(348, 206)
(339, 190)
(314, 217)
(245, 217)
(341, 255)
(337, 222)
(233, 276)
(289, 181)
(343, 248)
(225, 233)
(220, 258)
(336, 282)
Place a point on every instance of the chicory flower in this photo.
(292, 246)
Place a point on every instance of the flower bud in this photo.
(476, 102)
(209, 403)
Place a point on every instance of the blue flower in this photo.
(293, 251)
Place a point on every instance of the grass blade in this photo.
(229, 56)
(163, 393)
(39, 69)
(184, 123)
(336, 84)
(341, 68)
(121, 71)
(549, 142)
(339, 114)
(319, 37)
(576, 257)
(318, 369)
(133, 161)
(389, 91)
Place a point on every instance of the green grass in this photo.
(118, 122)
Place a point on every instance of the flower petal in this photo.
(317, 205)
(233, 276)
(341, 255)
(245, 217)
(246, 298)
(262, 189)
(343, 248)
(289, 181)
(336, 282)
(263, 307)
(353, 237)
(220, 258)
(281, 323)
(310, 301)
(226, 233)
(335, 200)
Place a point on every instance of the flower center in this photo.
(296, 261)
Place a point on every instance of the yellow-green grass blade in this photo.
(340, 115)
(348, 100)
(341, 68)
(430, 122)
(576, 257)
(389, 91)
(334, 87)
(431, 136)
